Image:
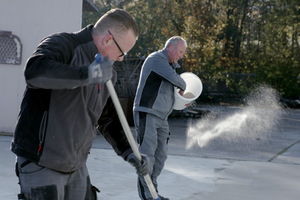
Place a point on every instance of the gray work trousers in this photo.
(152, 136)
(40, 183)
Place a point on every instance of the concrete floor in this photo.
(260, 170)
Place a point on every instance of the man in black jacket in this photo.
(64, 105)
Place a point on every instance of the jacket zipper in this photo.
(42, 133)
(98, 93)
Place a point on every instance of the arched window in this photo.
(10, 48)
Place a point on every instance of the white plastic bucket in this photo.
(192, 92)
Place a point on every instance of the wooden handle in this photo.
(128, 134)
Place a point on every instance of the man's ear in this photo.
(107, 40)
(171, 47)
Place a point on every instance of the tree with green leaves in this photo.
(239, 43)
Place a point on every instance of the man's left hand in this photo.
(141, 166)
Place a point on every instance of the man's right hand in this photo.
(181, 92)
(100, 71)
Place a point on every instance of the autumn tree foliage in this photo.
(234, 43)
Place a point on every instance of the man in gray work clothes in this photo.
(153, 104)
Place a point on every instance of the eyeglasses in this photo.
(123, 53)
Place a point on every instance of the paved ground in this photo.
(262, 170)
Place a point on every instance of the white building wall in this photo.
(31, 21)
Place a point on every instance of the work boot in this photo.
(163, 198)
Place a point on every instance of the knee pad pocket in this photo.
(44, 193)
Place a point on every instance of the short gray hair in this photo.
(174, 40)
(117, 19)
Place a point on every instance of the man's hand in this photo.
(181, 92)
(100, 71)
(142, 167)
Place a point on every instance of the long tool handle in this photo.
(128, 133)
